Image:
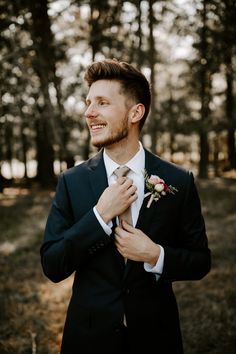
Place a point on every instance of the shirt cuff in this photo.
(158, 267)
(106, 227)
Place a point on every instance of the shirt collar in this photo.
(136, 163)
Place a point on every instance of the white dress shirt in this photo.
(137, 166)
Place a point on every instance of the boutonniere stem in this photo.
(157, 188)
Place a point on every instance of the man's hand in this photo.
(133, 244)
(116, 198)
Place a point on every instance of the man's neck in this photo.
(121, 153)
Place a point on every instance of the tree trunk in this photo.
(24, 151)
(204, 96)
(45, 155)
(86, 147)
(140, 37)
(204, 152)
(216, 156)
(9, 147)
(23, 126)
(1, 178)
(230, 113)
(47, 131)
(152, 55)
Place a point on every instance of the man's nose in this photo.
(91, 111)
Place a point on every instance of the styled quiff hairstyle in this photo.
(133, 82)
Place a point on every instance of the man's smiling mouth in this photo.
(96, 127)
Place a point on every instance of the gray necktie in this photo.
(126, 215)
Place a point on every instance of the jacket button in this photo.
(126, 291)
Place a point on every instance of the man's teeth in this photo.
(98, 126)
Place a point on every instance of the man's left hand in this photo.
(134, 244)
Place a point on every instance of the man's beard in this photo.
(116, 136)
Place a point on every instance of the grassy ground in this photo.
(32, 309)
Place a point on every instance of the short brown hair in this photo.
(133, 82)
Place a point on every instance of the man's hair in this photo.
(133, 82)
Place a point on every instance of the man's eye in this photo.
(102, 103)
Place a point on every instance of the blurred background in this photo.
(187, 50)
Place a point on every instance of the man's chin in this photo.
(104, 143)
(99, 143)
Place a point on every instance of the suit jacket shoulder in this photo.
(170, 172)
(81, 169)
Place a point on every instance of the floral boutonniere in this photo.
(157, 188)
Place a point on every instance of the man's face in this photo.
(107, 113)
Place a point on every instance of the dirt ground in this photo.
(32, 309)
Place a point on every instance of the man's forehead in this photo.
(104, 89)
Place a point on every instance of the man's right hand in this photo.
(116, 198)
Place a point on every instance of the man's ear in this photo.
(137, 112)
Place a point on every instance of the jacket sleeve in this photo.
(68, 244)
(191, 258)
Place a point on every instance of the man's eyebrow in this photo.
(97, 98)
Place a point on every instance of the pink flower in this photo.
(153, 179)
(157, 188)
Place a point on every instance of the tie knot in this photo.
(121, 171)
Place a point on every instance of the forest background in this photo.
(187, 50)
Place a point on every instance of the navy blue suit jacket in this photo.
(104, 287)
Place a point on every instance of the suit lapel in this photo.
(152, 163)
(97, 175)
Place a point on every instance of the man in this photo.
(122, 299)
